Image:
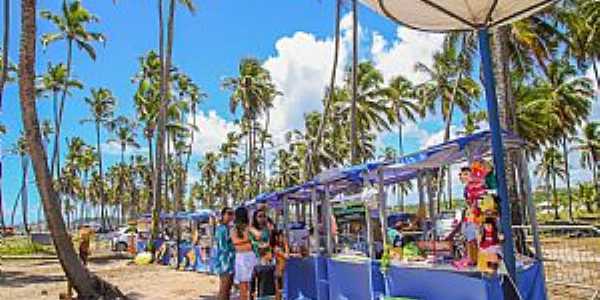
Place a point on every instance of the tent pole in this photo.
(326, 215)
(315, 220)
(286, 217)
(382, 206)
(368, 222)
(497, 148)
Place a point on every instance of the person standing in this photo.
(245, 259)
(225, 262)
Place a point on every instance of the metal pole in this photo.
(315, 220)
(382, 206)
(286, 217)
(497, 149)
(326, 214)
(370, 249)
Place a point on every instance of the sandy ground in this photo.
(43, 279)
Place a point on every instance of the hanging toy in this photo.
(489, 247)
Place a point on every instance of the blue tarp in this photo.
(342, 280)
(306, 278)
(448, 285)
(350, 280)
(402, 169)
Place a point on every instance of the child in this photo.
(282, 253)
(263, 286)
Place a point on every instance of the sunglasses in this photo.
(229, 213)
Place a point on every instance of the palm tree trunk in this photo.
(400, 154)
(56, 152)
(24, 192)
(568, 178)
(101, 174)
(353, 130)
(86, 284)
(160, 141)
(506, 111)
(555, 197)
(148, 180)
(440, 189)
(5, 40)
(325, 116)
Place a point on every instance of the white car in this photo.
(122, 237)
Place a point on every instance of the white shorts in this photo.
(244, 266)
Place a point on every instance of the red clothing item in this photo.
(489, 238)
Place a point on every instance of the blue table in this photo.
(323, 279)
(445, 284)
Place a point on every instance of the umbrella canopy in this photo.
(452, 15)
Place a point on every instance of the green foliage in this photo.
(23, 246)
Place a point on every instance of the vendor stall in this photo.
(328, 274)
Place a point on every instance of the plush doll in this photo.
(489, 247)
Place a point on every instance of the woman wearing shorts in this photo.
(245, 259)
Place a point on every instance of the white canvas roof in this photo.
(450, 15)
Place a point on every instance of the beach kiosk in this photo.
(328, 275)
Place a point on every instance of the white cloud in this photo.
(438, 137)
(400, 57)
(301, 69)
(212, 131)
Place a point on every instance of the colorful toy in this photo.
(489, 247)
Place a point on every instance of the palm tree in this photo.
(84, 161)
(253, 90)
(21, 150)
(50, 85)
(329, 93)
(102, 104)
(568, 101)
(125, 136)
(400, 93)
(47, 130)
(471, 122)
(86, 284)
(165, 56)
(72, 28)
(450, 86)
(550, 167)
(208, 169)
(589, 147)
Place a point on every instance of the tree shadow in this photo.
(19, 279)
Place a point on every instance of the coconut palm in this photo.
(568, 100)
(71, 25)
(21, 149)
(253, 90)
(400, 93)
(449, 86)
(125, 136)
(102, 104)
(589, 146)
(50, 85)
(208, 170)
(471, 122)
(551, 167)
(86, 284)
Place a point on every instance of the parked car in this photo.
(121, 239)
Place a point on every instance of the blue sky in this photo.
(292, 37)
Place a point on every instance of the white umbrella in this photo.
(467, 15)
(449, 15)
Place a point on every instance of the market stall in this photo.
(326, 274)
